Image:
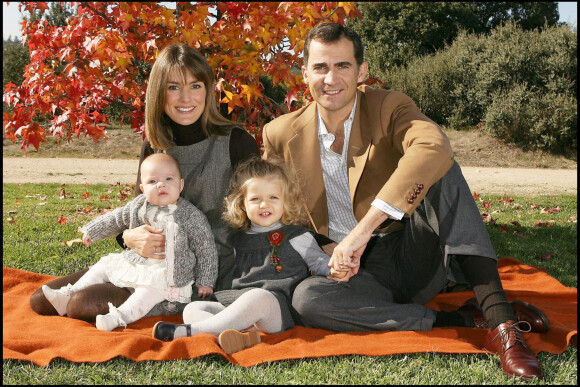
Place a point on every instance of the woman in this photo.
(183, 120)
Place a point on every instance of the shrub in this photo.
(533, 119)
(464, 85)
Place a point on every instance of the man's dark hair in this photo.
(333, 32)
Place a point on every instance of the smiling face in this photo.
(161, 180)
(264, 201)
(332, 75)
(185, 97)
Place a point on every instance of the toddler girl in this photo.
(272, 255)
(190, 251)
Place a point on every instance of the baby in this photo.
(190, 251)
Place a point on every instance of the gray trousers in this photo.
(401, 271)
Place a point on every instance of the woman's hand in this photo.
(204, 291)
(147, 241)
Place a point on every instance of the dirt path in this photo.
(513, 181)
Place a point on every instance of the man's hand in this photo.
(346, 255)
(147, 241)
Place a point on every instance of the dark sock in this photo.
(482, 274)
(453, 319)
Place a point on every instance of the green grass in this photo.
(33, 240)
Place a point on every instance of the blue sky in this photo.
(11, 17)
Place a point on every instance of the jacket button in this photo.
(413, 195)
(417, 191)
(410, 200)
(421, 186)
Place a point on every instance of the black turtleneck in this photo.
(184, 135)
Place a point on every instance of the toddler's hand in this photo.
(204, 291)
(340, 276)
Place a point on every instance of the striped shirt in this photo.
(341, 218)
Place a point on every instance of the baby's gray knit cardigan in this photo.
(195, 251)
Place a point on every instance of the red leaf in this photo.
(475, 195)
(556, 209)
(544, 257)
(517, 224)
(61, 220)
(86, 195)
(486, 204)
(539, 223)
(503, 228)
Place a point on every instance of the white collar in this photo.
(322, 130)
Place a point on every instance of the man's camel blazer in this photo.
(395, 153)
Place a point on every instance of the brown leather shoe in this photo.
(472, 307)
(532, 315)
(516, 359)
(524, 311)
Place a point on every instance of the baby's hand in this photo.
(86, 240)
(204, 291)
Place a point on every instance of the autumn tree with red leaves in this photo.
(104, 53)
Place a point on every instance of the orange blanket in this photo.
(40, 339)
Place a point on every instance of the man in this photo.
(379, 177)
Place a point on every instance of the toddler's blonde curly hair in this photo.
(234, 213)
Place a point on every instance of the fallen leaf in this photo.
(475, 195)
(503, 228)
(517, 224)
(73, 241)
(10, 220)
(544, 257)
(556, 209)
(61, 220)
(486, 204)
(539, 223)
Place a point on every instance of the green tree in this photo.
(397, 32)
(15, 57)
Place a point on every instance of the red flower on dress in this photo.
(276, 237)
